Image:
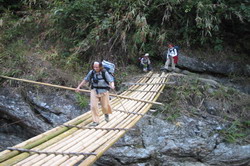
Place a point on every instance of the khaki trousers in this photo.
(168, 62)
(104, 100)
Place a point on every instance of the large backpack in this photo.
(110, 67)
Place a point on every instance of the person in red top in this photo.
(171, 57)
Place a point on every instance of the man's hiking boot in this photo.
(106, 117)
(94, 124)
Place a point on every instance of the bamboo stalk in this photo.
(73, 89)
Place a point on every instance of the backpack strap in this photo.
(90, 79)
(104, 76)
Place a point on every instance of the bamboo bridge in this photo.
(75, 142)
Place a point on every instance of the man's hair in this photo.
(170, 45)
(100, 65)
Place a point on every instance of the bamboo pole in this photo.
(73, 89)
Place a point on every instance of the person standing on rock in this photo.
(101, 81)
(171, 56)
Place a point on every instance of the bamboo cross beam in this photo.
(127, 112)
(55, 153)
(134, 113)
(150, 77)
(132, 83)
(81, 90)
(136, 90)
(97, 128)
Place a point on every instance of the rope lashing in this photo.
(48, 153)
(134, 113)
(97, 128)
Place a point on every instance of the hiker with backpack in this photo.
(171, 56)
(100, 81)
(145, 63)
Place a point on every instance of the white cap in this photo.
(147, 54)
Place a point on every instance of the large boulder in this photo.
(191, 141)
(224, 68)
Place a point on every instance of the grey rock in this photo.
(158, 142)
(228, 154)
(186, 72)
(225, 68)
(24, 115)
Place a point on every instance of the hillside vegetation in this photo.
(69, 33)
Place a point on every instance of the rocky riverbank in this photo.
(199, 125)
(205, 120)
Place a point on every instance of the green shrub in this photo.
(82, 100)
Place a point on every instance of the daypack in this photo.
(166, 52)
(177, 49)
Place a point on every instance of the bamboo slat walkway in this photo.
(76, 143)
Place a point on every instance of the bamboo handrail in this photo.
(73, 89)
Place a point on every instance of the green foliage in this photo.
(13, 57)
(237, 130)
(82, 100)
(133, 27)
